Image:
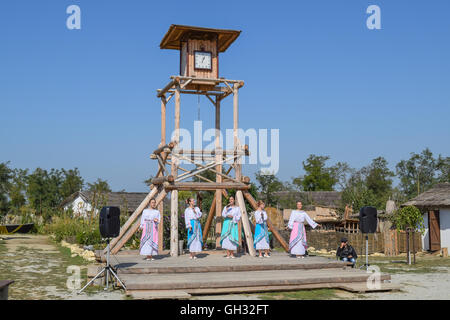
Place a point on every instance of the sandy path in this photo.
(39, 270)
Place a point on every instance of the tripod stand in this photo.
(366, 265)
(108, 268)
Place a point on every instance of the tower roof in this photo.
(176, 33)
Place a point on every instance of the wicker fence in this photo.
(390, 242)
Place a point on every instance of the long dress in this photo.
(149, 238)
(261, 238)
(195, 241)
(297, 241)
(229, 238)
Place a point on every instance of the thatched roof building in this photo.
(435, 198)
(435, 205)
(328, 199)
(128, 200)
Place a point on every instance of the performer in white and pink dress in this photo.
(149, 226)
(297, 241)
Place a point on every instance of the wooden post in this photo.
(209, 220)
(241, 247)
(161, 204)
(237, 162)
(174, 171)
(408, 255)
(218, 196)
(246, 224)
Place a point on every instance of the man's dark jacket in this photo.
(346, 251)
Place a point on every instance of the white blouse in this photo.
(148, 215)
(235, 212)
(260, 216)
(300, 216)
(191, 214)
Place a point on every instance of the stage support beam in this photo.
(218, 196)
(174, 193)
(245, 223)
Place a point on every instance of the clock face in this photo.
(202, 60)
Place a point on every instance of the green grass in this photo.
(67, 254)
(316, 294)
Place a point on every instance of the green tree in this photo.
(356, 193)
(99, 186)
(417, 174)
(17, 192)
(319, 177)
(378, 179)
(443, 167)
(72, 182)
(409, 217)
(268, 184)
(5, 183)
(44, 189)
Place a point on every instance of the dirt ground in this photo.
(39, 268)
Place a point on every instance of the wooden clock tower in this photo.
(199, 48)
(199, 75)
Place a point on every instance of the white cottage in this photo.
(435, 204)
(82, 202)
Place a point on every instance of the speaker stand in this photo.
(107, 269)
(366, 265)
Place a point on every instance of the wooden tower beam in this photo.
(174, 193)
(218, 195)
(246, 223)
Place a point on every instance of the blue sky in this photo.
(86, 98)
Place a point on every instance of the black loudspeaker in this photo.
(110, 222)
(368, 220)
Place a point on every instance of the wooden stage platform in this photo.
(180, 277)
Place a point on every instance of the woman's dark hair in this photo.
(189, 200)
(229, 200)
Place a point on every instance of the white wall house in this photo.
(435, 204)
(81, 202)
(80, 206)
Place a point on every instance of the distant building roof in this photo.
(436, 197)
(330, 199)
(129, 200)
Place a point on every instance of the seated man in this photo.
(345, 252)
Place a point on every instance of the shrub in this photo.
(78, 229)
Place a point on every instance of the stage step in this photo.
(157, 294)
(136, 265)
(210, 280)
(356, 287)
(359, 287)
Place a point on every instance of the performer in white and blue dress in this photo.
(192, 216)
(261, 238)
(297, 241)
(149, 225)
(229, 238)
